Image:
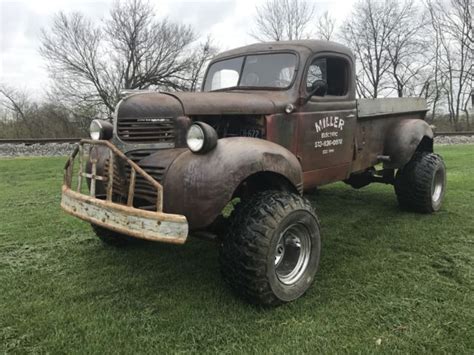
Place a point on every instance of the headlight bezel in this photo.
(206, 134)
(195, 138)
(100, 130)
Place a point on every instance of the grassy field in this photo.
(388, 281)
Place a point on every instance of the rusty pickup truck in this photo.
(271, 122)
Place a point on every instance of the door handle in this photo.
(350, 116)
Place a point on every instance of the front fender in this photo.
(402, 140)
(200, 186)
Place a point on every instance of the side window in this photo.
(333, 70)
(224, 78)
(223, 74)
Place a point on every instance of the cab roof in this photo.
(308, 46)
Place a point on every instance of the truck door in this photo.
(326, 123)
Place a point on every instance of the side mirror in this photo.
(319, 88)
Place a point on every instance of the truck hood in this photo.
(196, 103)
(208, 103)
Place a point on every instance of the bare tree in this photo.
(368, 37)
(438, 81)
(16, 103)
(22, 117)
(202, 55)
(387, 40)
(407, 48)
(452, 23)
(91, 63)
(325, 26)
(279, 20)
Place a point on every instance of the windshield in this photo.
(274, 70)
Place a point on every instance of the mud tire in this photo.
(248, 254)
(420, 185)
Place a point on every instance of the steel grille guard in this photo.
(122, 218)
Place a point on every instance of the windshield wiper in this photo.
(228, 88)
(248, 88)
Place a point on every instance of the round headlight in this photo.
(100, 129)
(195, 138)
(95, 130)
(201, 138)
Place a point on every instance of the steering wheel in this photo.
(251, 79)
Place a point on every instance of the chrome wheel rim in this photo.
(292, 253)
(438, 185)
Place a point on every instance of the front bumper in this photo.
(122, 218)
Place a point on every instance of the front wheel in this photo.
(271, 253)
(421, 184)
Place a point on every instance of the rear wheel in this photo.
(421, 184)
(271, 253)
(112, 238)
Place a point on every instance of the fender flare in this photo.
(200, 186)
(403, 139)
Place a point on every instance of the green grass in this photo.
(389, 281)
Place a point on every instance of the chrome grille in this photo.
(146, 129)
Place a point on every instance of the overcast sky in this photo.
(228, 21)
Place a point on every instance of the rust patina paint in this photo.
(319, 140)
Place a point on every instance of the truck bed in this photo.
(389, 106)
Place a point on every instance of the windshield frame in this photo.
(245, 55)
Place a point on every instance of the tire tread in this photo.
(243, 253)
(413, 182)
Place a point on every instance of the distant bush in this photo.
(23, 117)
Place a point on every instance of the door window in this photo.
(333, 70)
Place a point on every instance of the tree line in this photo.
(91, 63)
(402, 48)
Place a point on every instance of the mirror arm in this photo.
(304, 100)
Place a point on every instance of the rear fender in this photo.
(200, 186)
(404, 138)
